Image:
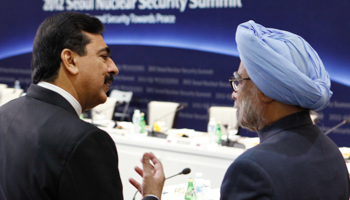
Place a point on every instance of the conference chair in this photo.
(104, 111)
(8, 94)
(227, 116)
(163, 111)
(123, 98)
(224, 115)
(314, 117)
(2, 87)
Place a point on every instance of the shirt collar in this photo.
(288, 122)
(64, 94)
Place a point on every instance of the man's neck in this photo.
(278, 110)
(75, 104)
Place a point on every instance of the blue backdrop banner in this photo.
(185, 51)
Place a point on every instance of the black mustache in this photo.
(109, 79)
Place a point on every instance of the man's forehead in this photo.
(97, 42)
(105, 50)
(242, 70)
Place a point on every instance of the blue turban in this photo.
(283, 66)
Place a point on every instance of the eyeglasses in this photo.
(235, 80)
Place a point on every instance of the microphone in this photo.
(184, 172)
(154, 133)
(337, 126)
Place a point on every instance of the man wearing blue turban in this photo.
(280, 79)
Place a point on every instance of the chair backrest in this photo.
(314, 117)
(122, 97)
(8, 94)
(105, 110)
(164, 111)
(224, 115)
(2, 87)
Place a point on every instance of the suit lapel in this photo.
(50, 97)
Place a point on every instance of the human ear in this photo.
(67, 57)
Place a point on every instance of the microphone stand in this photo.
(337, 126)
(184, 172)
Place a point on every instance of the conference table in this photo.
(175, 153)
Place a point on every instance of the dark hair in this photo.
(60, 31)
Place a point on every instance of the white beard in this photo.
(249, 115)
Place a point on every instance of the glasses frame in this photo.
(234, 81)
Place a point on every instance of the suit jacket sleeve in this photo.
(150, 198)
(91, 171)
(245, 179)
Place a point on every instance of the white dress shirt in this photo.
(64, 94)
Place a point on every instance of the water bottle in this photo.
(218, 133)
(190, 193)
(199, 186)
(211, 130)
(17, 85)
(136, 120)
(142, 123)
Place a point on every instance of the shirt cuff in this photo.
(151, 195)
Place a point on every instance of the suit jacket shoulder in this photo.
(246, 179)
(43, 139)
(295, 160)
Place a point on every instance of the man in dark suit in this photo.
(280, 79)
(46, 151)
